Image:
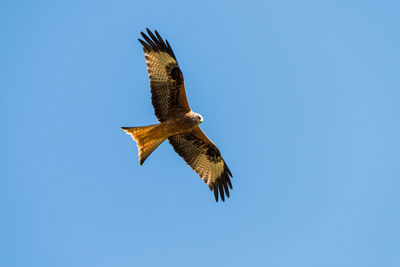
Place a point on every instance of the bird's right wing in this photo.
(166, 79)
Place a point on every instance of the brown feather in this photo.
(148, 138)
(205, 159)
(166, 79)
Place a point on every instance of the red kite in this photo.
(178, 123)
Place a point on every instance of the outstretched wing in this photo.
(166, 79)
(205, 159)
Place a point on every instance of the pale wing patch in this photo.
(162, 58)
(156, 62)
(209, 171)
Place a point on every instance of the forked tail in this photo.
(147, 138)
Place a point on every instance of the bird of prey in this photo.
(178, 123)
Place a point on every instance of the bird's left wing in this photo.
(205, 159)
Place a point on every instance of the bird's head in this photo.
(198, 117)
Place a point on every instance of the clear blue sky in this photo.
(301, 97)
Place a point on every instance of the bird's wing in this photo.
(205, 159)
(166, 79)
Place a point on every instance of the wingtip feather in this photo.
(221, 191)
(215, 189)
(155, 42)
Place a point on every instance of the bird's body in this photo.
(178, 123)
(150, 137)
(182, 123)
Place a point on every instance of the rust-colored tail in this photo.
(147, 138)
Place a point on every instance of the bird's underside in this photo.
(178, 123)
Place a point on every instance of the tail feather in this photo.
(148, 138)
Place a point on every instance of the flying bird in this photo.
(178, 123)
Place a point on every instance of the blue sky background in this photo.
(301, 97)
